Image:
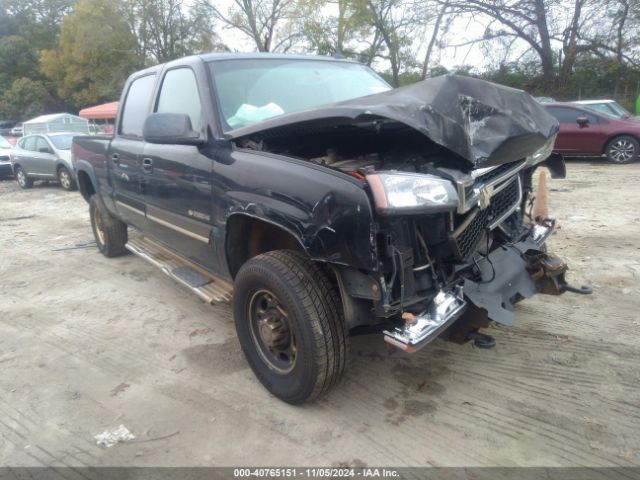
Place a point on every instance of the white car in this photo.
(17, 130)
(5, 157)
(610, 108)
(44, 157)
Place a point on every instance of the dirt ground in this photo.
(88, 343)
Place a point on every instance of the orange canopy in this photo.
(105, 111)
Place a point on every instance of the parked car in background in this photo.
(609, 108)
(44, 157)
(5, 158)
(6, 126)
(590, 133)
(544, 99)
(17, 130)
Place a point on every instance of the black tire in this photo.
(623, 149)
(66, 180)
(109, 232)
(315, 322)
(22, 179)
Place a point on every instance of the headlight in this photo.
(542, 153)
(399, 192)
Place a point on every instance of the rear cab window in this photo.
(136, 106)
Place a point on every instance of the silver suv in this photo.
(44, 157)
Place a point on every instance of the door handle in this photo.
(147, 165)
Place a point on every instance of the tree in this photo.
(95, 54)
(38, 21)
(17, 60)
(333, 27)
(394, 22)
(25, 99)
(527, 20)
(262, 21)
(167, 29)
(435, 33)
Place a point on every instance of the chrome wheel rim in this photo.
(65, 179)
(271, 332)
(622, 151)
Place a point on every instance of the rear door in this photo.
(24, 154)
(177, 178)
(126, 149)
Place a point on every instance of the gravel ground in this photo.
(88, 343)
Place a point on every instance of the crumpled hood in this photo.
(485, 123)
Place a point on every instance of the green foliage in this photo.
(17, 59)
(338, 32)
(25, 99)
(95, 55)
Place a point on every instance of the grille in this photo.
(491, 175)
(467, 236)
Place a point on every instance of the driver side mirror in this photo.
(44, 150)
(170, 129)
(582, 121)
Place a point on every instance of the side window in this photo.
(569, 115)
(42, 145)
(136, 106)
(29, 143)
(179, 94)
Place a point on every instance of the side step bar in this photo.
(204, 284)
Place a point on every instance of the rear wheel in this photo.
(623, 149)
(109, 232)
(290, 325)
(66, 180)
(22, 179)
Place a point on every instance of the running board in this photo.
(204, 284)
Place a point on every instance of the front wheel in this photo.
(66, 180)
(109, 232)
(290, 325)
(623, 149)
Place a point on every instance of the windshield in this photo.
(611, 109)
(61, 142)
(250, 91)
(4, 143)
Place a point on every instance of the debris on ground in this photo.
(199, 332)
(120, 388)
(109, 438)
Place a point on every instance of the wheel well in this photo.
(85, 185)
(248, 237)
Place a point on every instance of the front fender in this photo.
(328, 212)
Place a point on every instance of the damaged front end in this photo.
(486, 260)
(448, 164)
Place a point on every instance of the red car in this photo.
(585, 132)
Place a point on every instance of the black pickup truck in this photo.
(325, 203)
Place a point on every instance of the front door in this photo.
(574, 138)
(44, 160)
(177, 178)
(126, 149)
